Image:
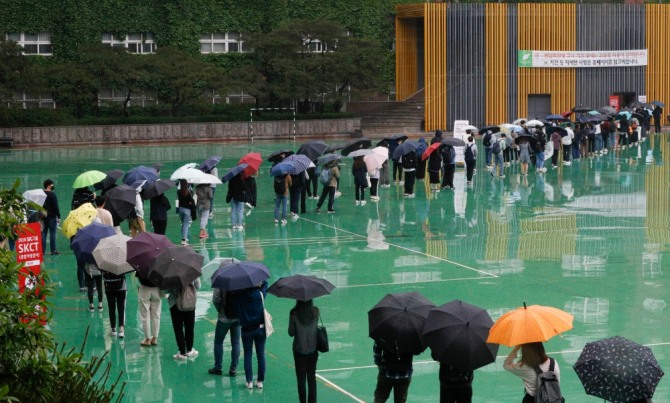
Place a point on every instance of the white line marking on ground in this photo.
(339, 389)
(403, 248)
(413, 282)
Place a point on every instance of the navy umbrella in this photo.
(618, 370)
(283, 168)
(140, 173)
(121, 201)
(234, 171)
(555, 117)
(87, 238)
(278, 156)
(240, 275)
(312, 149)
(209, 163)
(354, 145)
(405, 148)
(301, 162)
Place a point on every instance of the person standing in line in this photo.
(93, 283)
(556, 142)
(81, 196)
(136, 223)
(421, 163)
(374, 184)
(329, 189)
(185, 209)
(488, 153)
(384, 180)
(204, 195)
(312, 184)
(282, 184)
(237, 196)
(395, 374)
(158, 213)
(449, 166)
(657, 114)
(408, 163)
(251, 191)
(214, 172)
(115, 291)
(434, 167)
(566, 144)
(248, 305)
(149, 303)
(295, 191)
(397, 167)
(470, 156)
(524, 156)
(104, 216)
(497, 154)
(359, 171)
(52, 219)
(302, 323)
(183, 324)
(455, 384)
(532, 356)
(226, 321)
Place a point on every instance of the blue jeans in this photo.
(488, 153)
(539, 160)
(249, 340)
(280, 201)
(599, 142)
(50, 225)
(185, 217)
(236, 212)
(498, 164)
(219, 335)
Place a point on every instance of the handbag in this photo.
(269, 329)
(322, 338)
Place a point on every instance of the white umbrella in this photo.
(179, 170)
(520, 121)
(196, 176)
(376, 158)
(470, 127)
(534, 123)
(37, 196)
(359, 153)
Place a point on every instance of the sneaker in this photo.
(122, 334)
(502, 177)
(331, 211)
(192, 354)
(184, 242)
(363, 202)
(276, 221)
(386, 186)
(82, 289)
(400, 183)
(492, 174)
(294, 215)
(215, 371)
(259, 385)
(113, 332)
(283, 222)
(412, 195)
(55, 253)
(358, 202)
(338, 194)
(180, 357)
(91, 308)
(99, 306)
(232, 373)
(250, 385)
(318, 210)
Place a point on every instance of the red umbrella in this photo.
(566, 114)
(430, 150)
(254, 161)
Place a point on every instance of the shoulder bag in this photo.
(322, 338)
(269, 329)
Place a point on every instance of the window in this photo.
(135, 43)
(29, 101)
(232, 98)
(228, 42)
(33, 44)
(108, 97)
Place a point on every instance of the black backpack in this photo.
(487, 140)
(547, 389)
(495, 147)
(409, 160)
(469, 155)
(280, 185)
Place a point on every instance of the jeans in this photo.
(498, 165)
(539, 160)
(236, 212)
(183, 323)
(185, 217)
(280, 202)
(116, 302)
(305, 373)
(399, 386)
(219, 335)
(249, 340)
(50, 225)
(330, 192)
(599, 142)
(488, 154)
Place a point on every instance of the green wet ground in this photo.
(591, 239)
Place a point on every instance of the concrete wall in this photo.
(228, 131)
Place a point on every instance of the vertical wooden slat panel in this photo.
(539, 32)
(435, 34)
(658, 43)
(496, 62)
(406, 58)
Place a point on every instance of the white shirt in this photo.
(527, 374)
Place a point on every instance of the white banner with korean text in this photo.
(577, 59)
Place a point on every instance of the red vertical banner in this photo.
(29, 252)
(614, 102)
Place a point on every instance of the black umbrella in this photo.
(324, 159)
(405, 148)
(581, 109)
(396, 138)
(525, 137)
(456, 333)
(354, 145)
(658, 103)
(240, 275)
(302, 288)
(209, 163)
(112, 177)
(142, 250)
(492, 129)
(157, 188)
(397, 321)
(618, 370)
(332, 148)
(606, 110)
(279, 155)
(551, 129)
(312, 149)
(121, 201)
(175, 267)
(453, 141)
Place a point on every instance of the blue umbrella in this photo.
(87, 238)
(324, 159)
(300, 161)
(555, 117)
(209, 163)
(140, 173)
(658, 103)
(405, 148)
(240, 275)
(234, 171)
(623, 115)
(283, 168)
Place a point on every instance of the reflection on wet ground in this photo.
(590, 238)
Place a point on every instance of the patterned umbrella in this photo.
(300, 161)
(175, 267)
(78, 218)
(110, 254)
(88, 178)
(143, 249)
(618, 370)
(87, 239)
(283, 168)
(254, 161)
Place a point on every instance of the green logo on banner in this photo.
(525, 58)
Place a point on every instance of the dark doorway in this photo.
(625, 98)
(539, 106)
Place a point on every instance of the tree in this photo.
(14, 70)
(72, 86)
(33, 367)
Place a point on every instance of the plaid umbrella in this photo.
(300, 161)
(283, 168)
(110, 254)
(175, 267)
(618, 370)
(87, 239)
(143, 249)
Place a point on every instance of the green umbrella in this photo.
(88, 178)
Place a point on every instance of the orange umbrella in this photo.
(254, 161)
(430, 150)
(535, 323)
